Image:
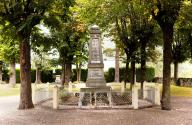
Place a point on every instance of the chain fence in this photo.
(95, 99)
(41, 94)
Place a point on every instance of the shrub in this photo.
(48, 76)
(110, 74)
(5, 76)
(83, 75)
(150, 74)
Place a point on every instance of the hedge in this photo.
(83, 75)
(110, 75)
(48, 76)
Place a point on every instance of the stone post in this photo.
(157, 94)
(95, 94)
(109, 98)
(55, 97)
(122, 87)
(70, 87)
(48, 88)
(135, 100)
(81, 95)
(145, 91)
(57, 79)
(34, 93)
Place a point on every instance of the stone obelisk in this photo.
(95, 78)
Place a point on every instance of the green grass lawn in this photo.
(5, 90)
(181, 91)
(175, 90)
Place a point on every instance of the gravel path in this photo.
(180, 115)
(8, 104)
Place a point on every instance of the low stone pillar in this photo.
(95, 95)
(48, 89)
(109, 98)
(57, 79)
(145, 91)
(55, 97)
(135, 100)
(157, 95)
(122, 87)
(70, 87)
(81, 95)
(34, 93)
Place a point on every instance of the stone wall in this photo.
(180, 81)
(184, 82)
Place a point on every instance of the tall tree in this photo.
(1, 72)
(41, 50)
(165, 12)
(117, 64)
(182, 33)
(10, 54)
(179, 50)
(23, 15)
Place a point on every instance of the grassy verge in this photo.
(175, 90)
(181, 91)
(5, 90)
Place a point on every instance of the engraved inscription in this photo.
(95, 73)
(94, 36)
(95, 57)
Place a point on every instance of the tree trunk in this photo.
(143, 65)
(38, 74)
(168, 39)
(132, 74)
(78, 70)
(126, 72)
(12, 76)
(117, 65)
(175, 71)
(1, 72)
(63, 76)
(25, 73)
(68, 73)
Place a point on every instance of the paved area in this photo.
(180, 115)
(8, 104)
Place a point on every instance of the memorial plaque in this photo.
(95, 58)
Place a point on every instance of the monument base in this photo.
(96, 89)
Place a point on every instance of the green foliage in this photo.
(47, 76)
(83, 75)
(150, 74)
(110, 74)
(109, 52)
(182, 32)
(33, 71)
(166, 11)
(9, 48)
(5, 75)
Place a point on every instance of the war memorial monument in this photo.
(95, 78)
